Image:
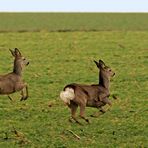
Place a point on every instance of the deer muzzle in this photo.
(27, 63)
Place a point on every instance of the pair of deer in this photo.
(73, 95)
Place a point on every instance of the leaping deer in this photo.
(96, 95)
(12, 82)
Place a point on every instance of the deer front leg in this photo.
(21, 86)
(10, 98)
(102, 110)
(23, 92)
(102, 96)
(99, 105)
(107, 101)
(26, 92)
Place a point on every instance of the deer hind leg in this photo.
(82, 113)
(73, 108)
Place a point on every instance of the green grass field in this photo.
(36, 22)
(59, 58)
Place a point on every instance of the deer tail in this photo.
(67, 95)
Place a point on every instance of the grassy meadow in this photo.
(62, 51)
(62, 22)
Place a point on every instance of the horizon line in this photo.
(73, 11)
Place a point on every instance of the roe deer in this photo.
(96, 95)
(12, 82)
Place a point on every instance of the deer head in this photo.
(19, 62)
(105, 73)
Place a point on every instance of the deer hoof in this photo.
(74, 120)
(70, 120)
(24, 98)
(87, 121)
(79, 122)
(102, 111)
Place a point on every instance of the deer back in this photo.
(87, 94)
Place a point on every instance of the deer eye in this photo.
(24, 59)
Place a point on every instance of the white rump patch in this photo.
(67, 95)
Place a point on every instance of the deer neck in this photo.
(17, 69)
(104, 81)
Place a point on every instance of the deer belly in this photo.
(6, 90)
(91, 103)
(9, 88)
(94, 103)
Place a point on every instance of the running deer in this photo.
(12, 82)
(96, 95)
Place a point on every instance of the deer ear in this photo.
(17, 52)
(101, 63)
(97, 64)
(12, 52)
